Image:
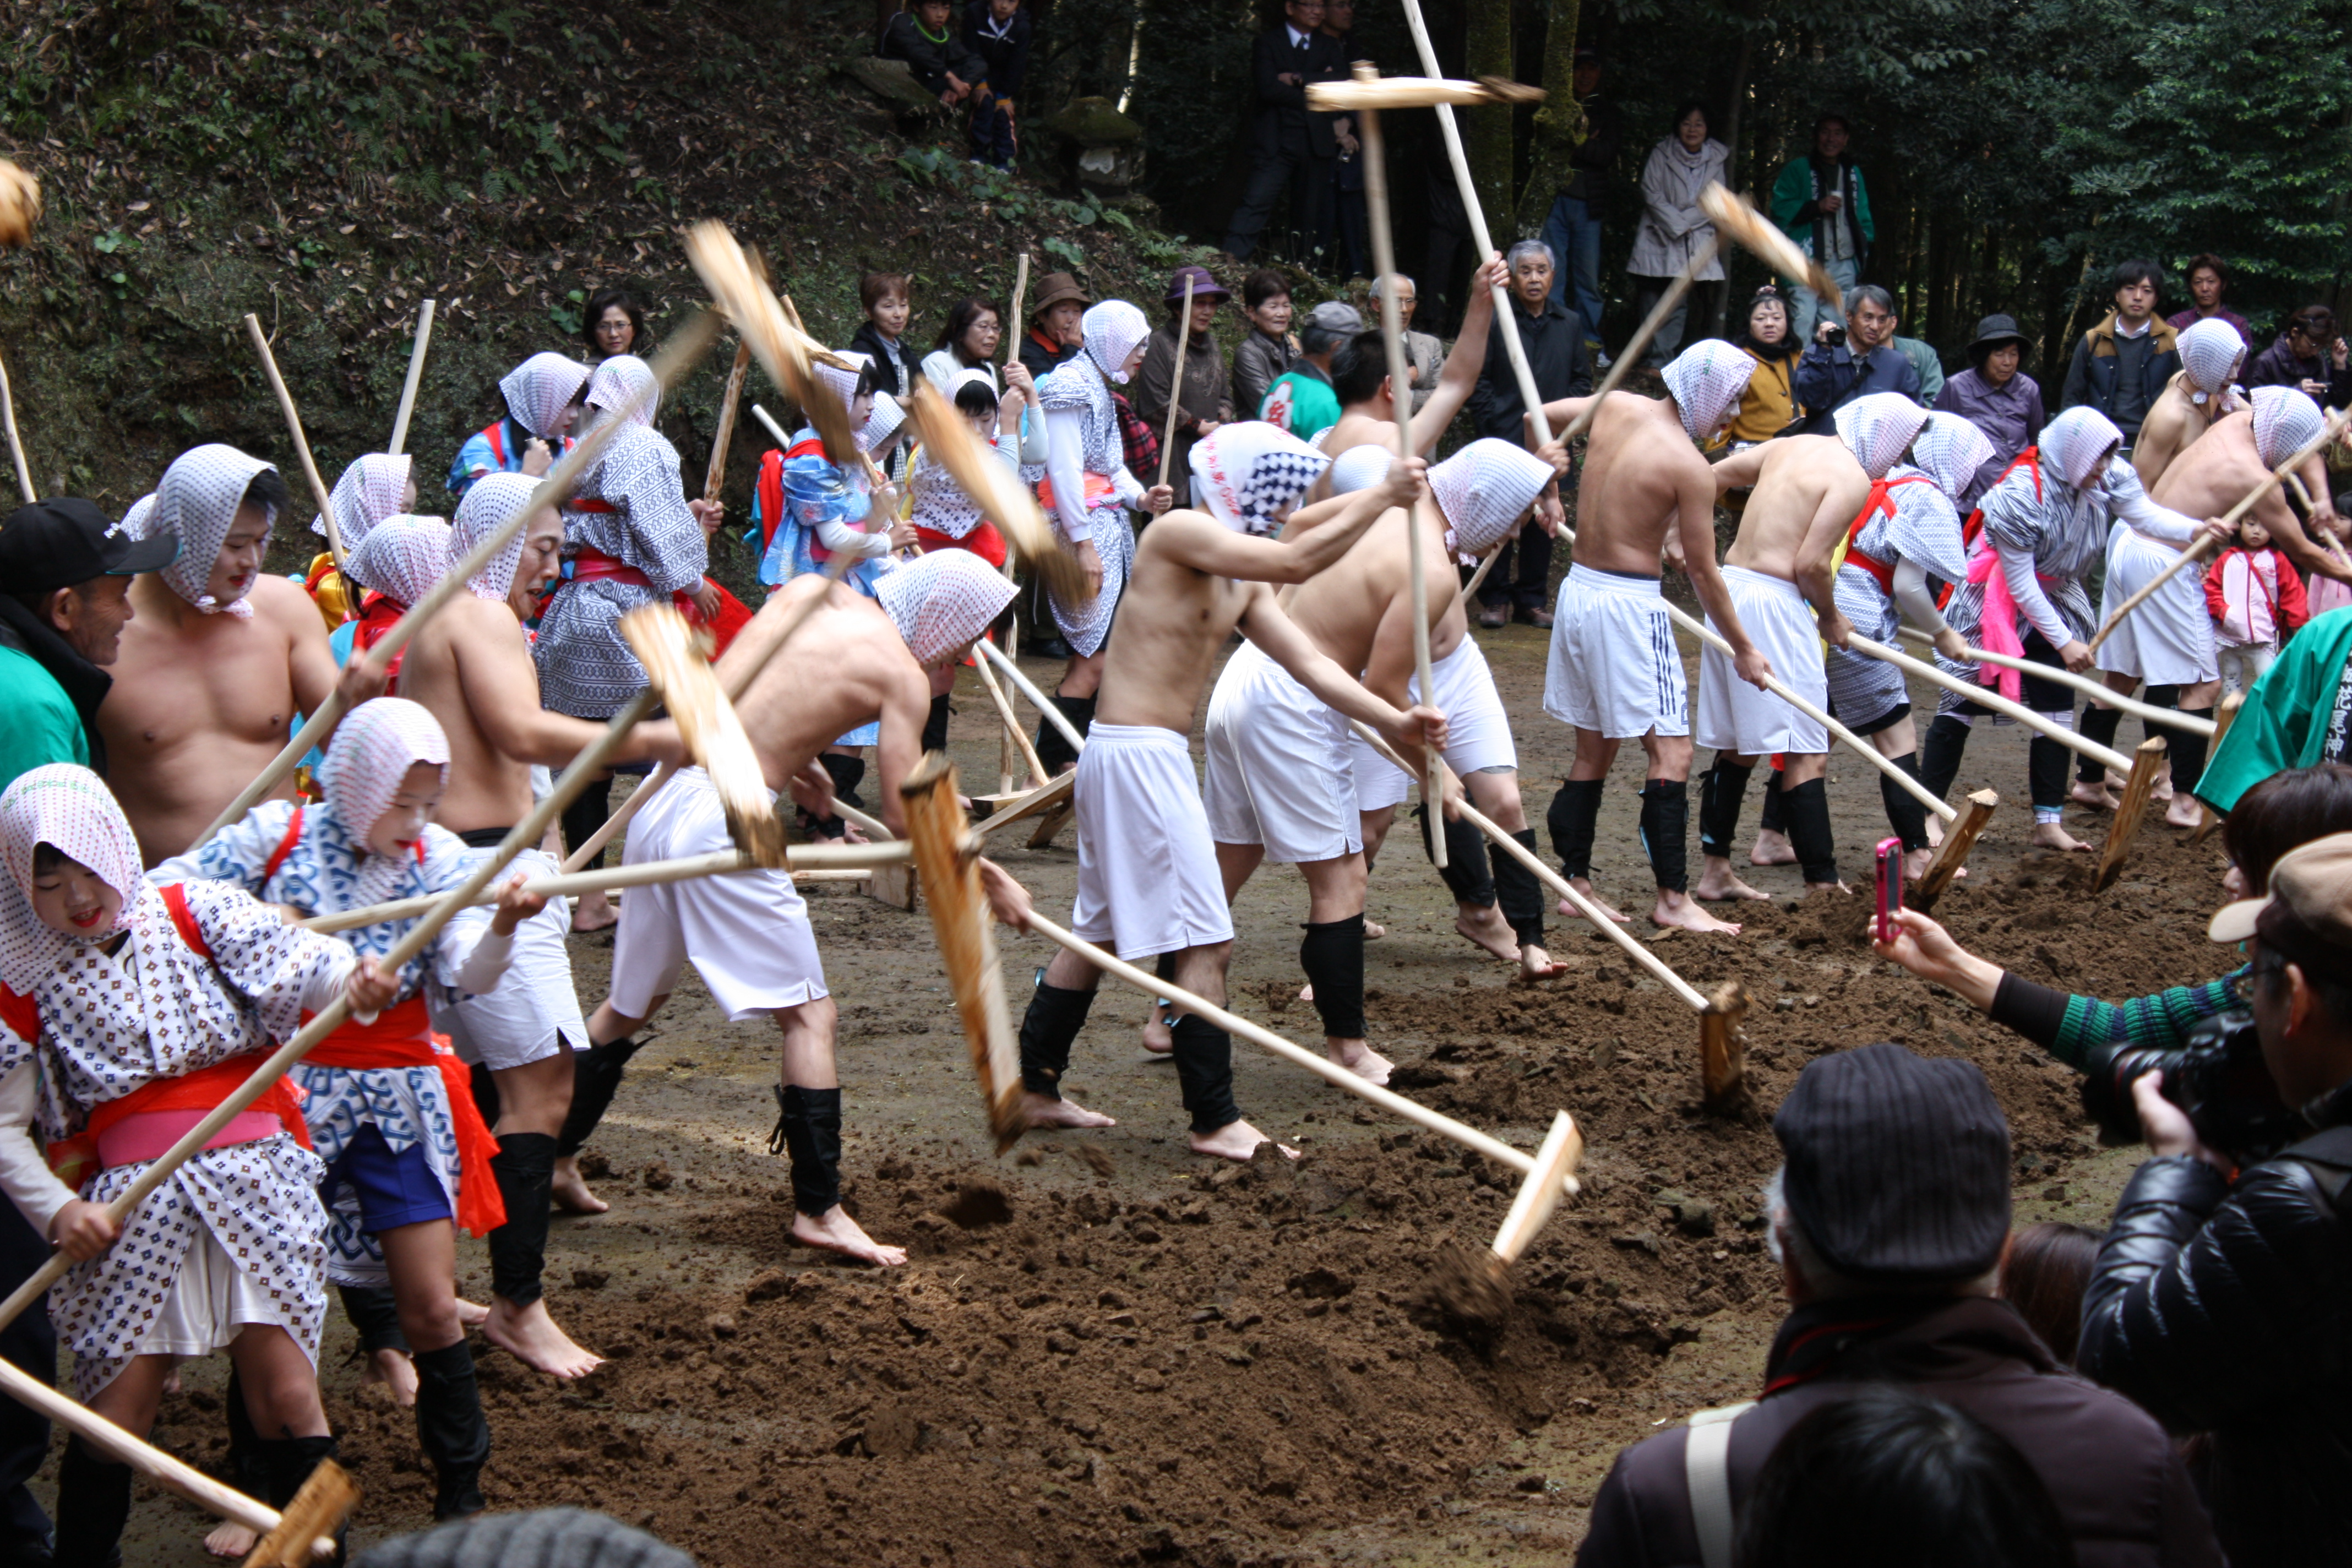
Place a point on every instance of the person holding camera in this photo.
(1843, 364)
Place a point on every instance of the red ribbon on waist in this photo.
(403, 1036)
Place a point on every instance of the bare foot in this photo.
(1156, 1039)
(1235, 1141)
(1772, 848)
(595, 912)
(852, 834)
(1583, 885)
(1358, 1058)
(570, 1189)
(531, 1336)
(1828, 890)
(1038, 1110)
(2184, 812)
(2094, 795)
(834, 1231)
(171, 1380)
(1916, 861)
(2163, 790)
(1374, 931)
(1485, 926)
(1682, 910)
(1535, 964)
(230, 1540)
(2051, 835)
(471, 1316)
(1935, 831)
(1307, 992)
(1716, 882)
(396, 1372)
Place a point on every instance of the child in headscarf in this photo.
(543, 398)
(396, 565)
(374, 487)
(945, 517)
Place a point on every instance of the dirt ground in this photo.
(1104, 1349)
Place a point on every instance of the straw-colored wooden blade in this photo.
(20, 205)
(1723, 1049)
(1418, 92)
(2139, 784)
(676, 663)
(1953, 852)
(783, 349)
(1556, 1162)
(961, 919)
(316, 1512)
(1002, 498)
(1733, 216)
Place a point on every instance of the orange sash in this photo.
(403, 1036)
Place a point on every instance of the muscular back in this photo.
(1808, 490)
(1641, 474)
(2214, 473)
(2169, 428)
(1171, 625)
(1361, 609)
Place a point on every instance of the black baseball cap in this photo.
(54, 544)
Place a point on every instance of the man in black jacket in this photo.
(2121, 365)
(1888, 1218)
(1553, 337)
(1572, 231)
(2225, 1307)
(998, 33)
(1293, 141)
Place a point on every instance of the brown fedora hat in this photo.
(1054, 287)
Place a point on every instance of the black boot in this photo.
(595, 1078)
(374, 1311)
(1665, 832)
(1204, 1072)
(451, 1428)
(808, 1128)
(1516, 889)
(1054, 752)
(524, 1168)
(1466, 875)
(2098, 724)
(289, 1462)
(1332, 954)
(1574, 812)
(1939, 757)
(93, 1504)
(935, 728)
(1721, 793)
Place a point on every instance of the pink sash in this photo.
(1997, 631)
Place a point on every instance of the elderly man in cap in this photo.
(1205, 398)
(1888, 1217)
(1301, 399)
(1553, 336)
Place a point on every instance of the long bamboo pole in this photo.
(301, 443)
(1176, 384)
(1012, 724)
(25, 485)
(2171, 718)
(1053, 712)
(715, 477)
(416, 377)
(1988, 697)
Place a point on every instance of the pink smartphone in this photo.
(1889, 857)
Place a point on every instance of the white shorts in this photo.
(1148, 877)
(748, 932)
(1477, 732)
(1278, 773)
(1614, 667)
(2168, 640)
(535, 1010)
(210, 1303)
(1734, 716)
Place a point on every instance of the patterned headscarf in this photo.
(1112, 330)
(1358, 468)
(197, 500)
(2074, 445)
(1249, 470)
(371, 490)
(1949, 451)
(402, 557)
(2286, 421)
(494, 498)
(1707, 381)
(942, 601)
(1484, 489)
(369, 759)
(1879, 428)
(2210, 352)
(844, 382)
(883, 423)
(70, 807)
(618, 380)
(540, 389)
(141, 515)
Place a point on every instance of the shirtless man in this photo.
(1807, 492)
(471, 668)
(854, 661)
(1148, 882)
(2198, 395)
(219, 659)
(1615, 671)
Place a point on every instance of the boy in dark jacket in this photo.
(923, 35)
(997, 32)
(2121, 365)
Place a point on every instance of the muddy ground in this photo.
(1104, 1349)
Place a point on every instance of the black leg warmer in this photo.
(247, 1471)
(2097, 724)
(2188, 751)
(1666, 831)
(1939, 759)
(93, 1504)
(451, 1429)
(1904, 814)
(1807, 808)
(1466, 875)
(847, 773)
(524, 1168)
(1572, 815)
(935, 728)
(1204, 1071)
(1047, 1030)
(290, 1461)
(1768, 820)
(1720, 794)
(1052, 750)
(375, 1313)
(808, 1128)
(1332, 954)
(585, 814)
(1516, 889)
(595, 1078)
(2045, 771)
(485, 1087)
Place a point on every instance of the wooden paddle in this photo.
(715, 477)
(960, 918)
(1473, 1290)
(416, 376)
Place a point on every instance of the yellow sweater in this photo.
(1768, 405)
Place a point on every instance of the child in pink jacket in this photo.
(2256, 600)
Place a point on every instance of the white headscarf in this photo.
(1949, 451)
(1484, 489)
(540, 389)
(1112, 330)
(1879, 428)
(844, 382)
(882, 424)
(1247, 471)
(369, 759)
(2286, 420)
(402, 557)
(1708, 380)
(70, 807)
(142, 514)
(942, 601)
(494, 498)
(198, 499)
(2074, 445)
(618, 380)
(1358, 468)
(370, 490)
(2210, 352)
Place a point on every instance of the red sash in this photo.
(497, 437)
(402, 1037)
(2030, 459)
(1880, 503)
(983, 540)
(379, 613)
(770, 490)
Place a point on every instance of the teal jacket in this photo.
(1800, 216)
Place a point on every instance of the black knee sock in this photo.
(585, 814)
(1904, 812)
(2045, 771)
(2188, 752)
(1204, 1071)
(1808, 809)
(1666, 831)
(246, 1470)
(290, 1461)
(595, 1078)
(2098, 724)
(93, 1505)
(451, 1429)
(524, 1168)
(808, 1128)
(1518, 892)
(1719, 798)
(1769, 819)
(1574, 812)
(847, 773)
(1939, 759)
(935, 728)
(1163, 968)
(1054, 750)
(1332, 954)
(374, 1312)
(1048, 1027)
(1465, 873)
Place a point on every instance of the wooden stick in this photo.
(2207, 820)
(1176, 391)
(716, 476)
(1012, 725)
(2146, 763)
(1723, 1049)
(2171, 718)
(1539, 1194)
(1331, 1072)
(1051, 710)
(1050, 823)
(775, 430)
(1016, 327)
(1988, 697)
(2203, 544)
(960, 919)
(25, 485)
(1053, 793)
(1371, 94)
(302, 444)
(1958, 839)
(416, 376)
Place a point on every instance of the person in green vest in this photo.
(65, 597)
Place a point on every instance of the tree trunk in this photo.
(1487, 133)
(1559, 124)
(1731, 170)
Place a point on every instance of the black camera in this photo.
(2218, 1078)
(1835, 337)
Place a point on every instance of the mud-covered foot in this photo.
(1235, 1141)
(1828, 890)
(531, 1336)
(1716, 884)
(470, 1314)
(1916, 861)
(1039, 1111)
(1157, 1037)
(1535, 964)
(1682, 911)
(1358, 1058)
(1485, 925)
(1772, 848)
(2095, 796)
(2184, 812)
(396, 1373)
(2051, 835)
(834, 1231)
(595, 913)
(231, 1540)
(1584, 886)
(570, 1189)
